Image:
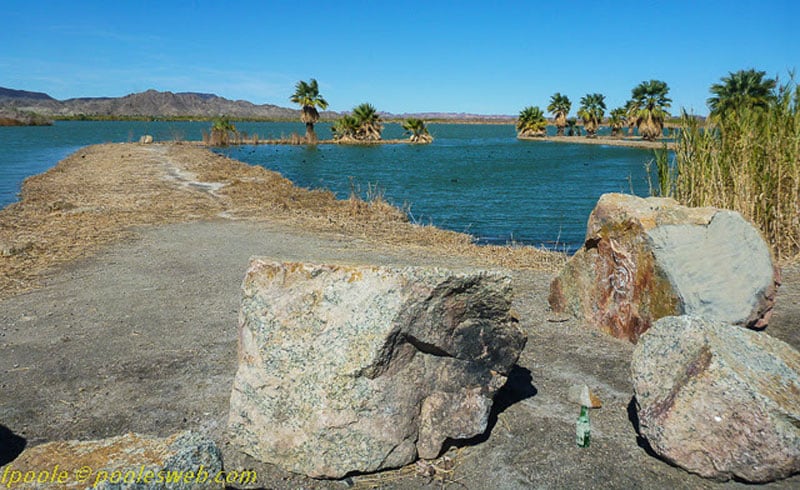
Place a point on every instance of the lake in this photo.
(477, 179)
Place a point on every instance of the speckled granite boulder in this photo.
(719, 401)
(644, 259)
(132, 461)
(356, 369)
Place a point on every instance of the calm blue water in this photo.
(477, 179)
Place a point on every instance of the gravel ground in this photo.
(142, 337)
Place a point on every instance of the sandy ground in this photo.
(631, 142)
(139, 334)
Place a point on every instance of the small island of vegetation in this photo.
(363, 125)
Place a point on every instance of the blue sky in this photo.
(407, 56)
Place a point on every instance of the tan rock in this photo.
(719, 401)
(581, 394)
(186, 459)
(356, 369)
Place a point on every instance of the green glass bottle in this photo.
(583, 431)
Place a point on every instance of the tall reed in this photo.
(748, 161)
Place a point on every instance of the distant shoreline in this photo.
(634, 142)
(291, 142)
(628, 142)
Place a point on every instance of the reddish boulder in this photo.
(644, 259)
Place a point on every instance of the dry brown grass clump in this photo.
(99, 193)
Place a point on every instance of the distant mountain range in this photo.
(153, 103)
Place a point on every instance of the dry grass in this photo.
(99, 193)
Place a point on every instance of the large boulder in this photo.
(182, 461)
(644, 259)
(719, 401)
(356, 369)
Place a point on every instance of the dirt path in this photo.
(141, 336)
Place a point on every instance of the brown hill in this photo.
(156, 104)
(151, 103)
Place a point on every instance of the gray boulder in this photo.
(644, 259)
(356, 369)
(132, 461)
(719, 401)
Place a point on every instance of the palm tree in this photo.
(419, 132)
(571, 122)
(221, 129)
(617, 119)
(559, 107)
(649, 104)
(369, 122)
(743, 89)
(309, 98)
(531, 122)
(631, 116)
(592, 110)
(345, 129)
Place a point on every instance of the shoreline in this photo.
(101, 193)
(626, 142)
(290, 142)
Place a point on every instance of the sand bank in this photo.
(607, 141)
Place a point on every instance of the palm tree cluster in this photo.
(418, 131)
(531, 122)
(363, 124)
(647, 109)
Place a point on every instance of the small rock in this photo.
(129, 461)
(583, 396)
(357, 369)
(719, 401)
(644, 259)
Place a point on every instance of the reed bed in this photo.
(748, 161)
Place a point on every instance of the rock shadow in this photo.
(11, 445)
(519, 386)
(641, 441)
